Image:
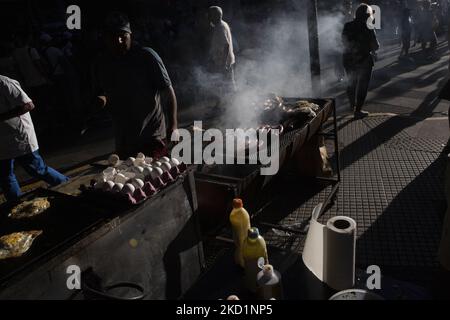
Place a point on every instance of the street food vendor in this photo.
(130, 80)
(18, 142)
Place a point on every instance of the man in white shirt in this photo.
(18, 140)
(221, 53)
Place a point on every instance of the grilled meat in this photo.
(291, 113)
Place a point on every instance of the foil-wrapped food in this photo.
(292, 113)
(301, 106)
(287, 105)
(273, 102)
(16, 244)
(31, 208)
(276, 129)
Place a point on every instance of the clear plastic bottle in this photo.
(240, 224)
(254, 249)
(268, 283)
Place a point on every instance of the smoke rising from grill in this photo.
(273, 57)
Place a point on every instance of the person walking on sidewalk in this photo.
(360, 44)
(18, 140)
(406, 27)
(428, 25)
(221, 54)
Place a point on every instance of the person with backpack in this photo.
(360, 43)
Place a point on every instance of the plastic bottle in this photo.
(240, 224)
(254, 249)
(268, 282)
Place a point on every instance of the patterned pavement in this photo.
(392, 186)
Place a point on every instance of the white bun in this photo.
(108, 185)
(147, 171)
(140, 155)
(120, 178)
(113, 160)
(166, 166)
(164, 159)
(137, 183)
(157, 164)
(117, 187)
(130, 161)
(157, 172)
(128, 188)
(174, 162)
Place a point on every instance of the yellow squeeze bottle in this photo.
(240, 224)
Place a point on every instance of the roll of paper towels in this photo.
(329, 251)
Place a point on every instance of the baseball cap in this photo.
(117, 21)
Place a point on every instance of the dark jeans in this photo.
(406, 43)
(430, 38)
(358, 84)
(34, 165)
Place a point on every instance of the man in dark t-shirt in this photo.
(130, 80)
(359, 43)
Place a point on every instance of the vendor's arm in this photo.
(172, 109)
(162, 82)
(99, 102)
(16, 112)
(18, 101)
(226, 51)
(374, 44)
(227, 40)
(99, 98)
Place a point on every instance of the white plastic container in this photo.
(268, 282)
(356, 294)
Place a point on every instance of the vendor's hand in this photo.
(374, 55)
(99, 102)
(173, 135)
(227, 68)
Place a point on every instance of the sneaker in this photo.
(360, 114)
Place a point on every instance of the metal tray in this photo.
(217, 185)
(66, 219)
